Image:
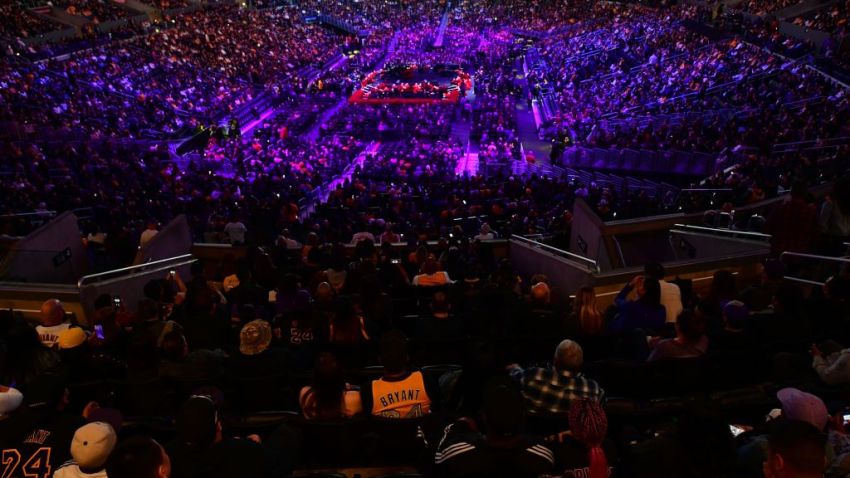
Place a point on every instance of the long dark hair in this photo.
(346, 322)
(325, 399)
(651, 292)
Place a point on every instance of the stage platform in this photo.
(413, 84)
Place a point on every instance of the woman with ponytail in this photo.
(582, 451)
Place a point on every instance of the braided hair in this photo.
(589, 425)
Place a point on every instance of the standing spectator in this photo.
(551, 390)
(791, 223)
(671, 296)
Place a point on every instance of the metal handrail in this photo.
(555, 250)
(845, 260)
(729, 232)
(85, 279)
(706, 190)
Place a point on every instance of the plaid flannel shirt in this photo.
(550, 391)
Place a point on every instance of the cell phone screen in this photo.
(98, 331)
(735, 430)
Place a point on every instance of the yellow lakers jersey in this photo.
(403, 399)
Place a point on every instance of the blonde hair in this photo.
(588, 314)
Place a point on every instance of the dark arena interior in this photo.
(424, 238)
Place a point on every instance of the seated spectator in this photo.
(551, 390)
(583, 450)
(585, 319)
(485, 234)
(139, 457)
(441, 324)
(347, 326)
(503, 451)
(430, 275)
(644, 313)
(255, 357)
(671, 296)
(733, 337)
(25, 358)
(42, 434)
(329, 397)
(400, 392)
(796, 449)
(53, 320)
(831, 361)
(759, 296)
(690, 340)
(179, 363)
(200, 448)
(90, 448)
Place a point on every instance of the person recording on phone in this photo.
(644, 313)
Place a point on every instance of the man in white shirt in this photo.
(671, 296)
(53, 322)
(831, 362)
(485, 233)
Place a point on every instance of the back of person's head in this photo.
(394, 355)
(569, 356)
(138, 457)
(440, 303)
(651, 292)
(327, 388)
(589, 425)
(174, 346)
(690, 325)
(654, 270)
(197, 422)
(148, 310)
(724, 285)
(503, 412)
(795, 449)
(52, 313)
(430, 267)
(540, 293)
(589, 316)
(92, 444)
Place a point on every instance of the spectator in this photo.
(644, 313)
(256, 358)
(583, 450)
(503, 451)
(485, 234)
(347, 326)
(235, 231)
(43, 434)
(671, 296)
(400, 392)
(551, 390)
(53, 321)
(138, 457)
(831, 361)
(90, 448)
(10, 400)
(790, 224)
(329, 397)
(796, 449)
(178, 363)
(586, 319)
(201, 449)
(431, 276)
(150, 231)
(690, 340)
(733, 337)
